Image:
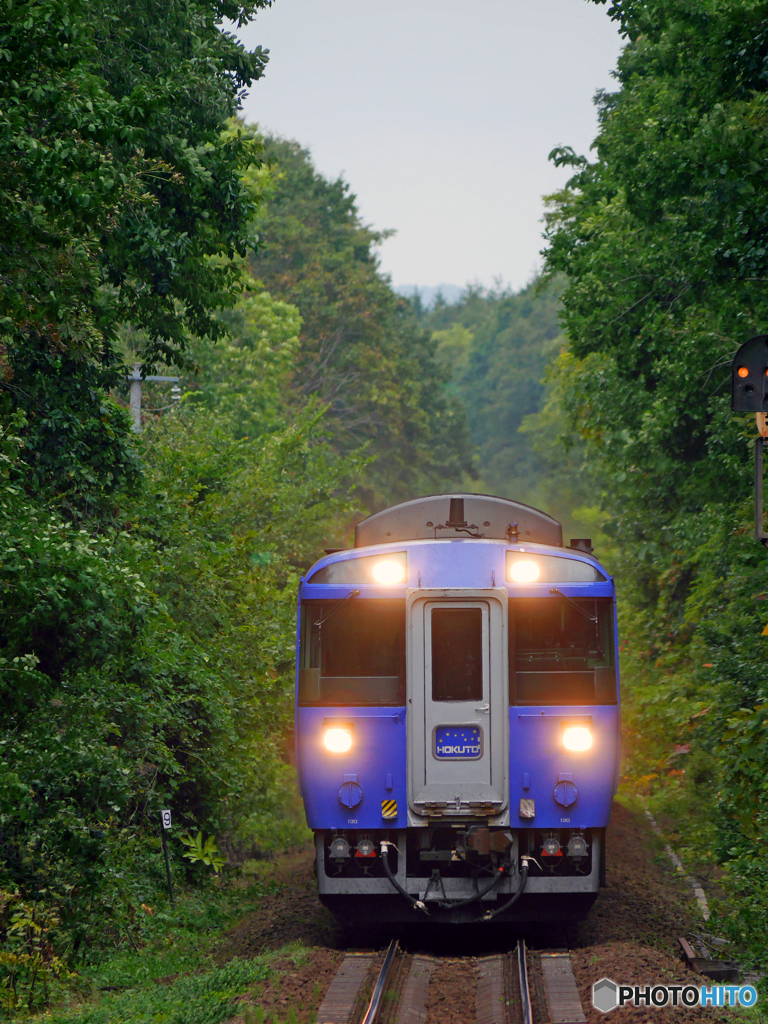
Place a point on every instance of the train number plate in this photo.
(458, 742)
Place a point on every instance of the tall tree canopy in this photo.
(147, 616)
(120, 203)
(663, 241)
(662, 237)
(361, 351)
(496, 345)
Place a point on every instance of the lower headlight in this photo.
(577, 737)
(337, 740)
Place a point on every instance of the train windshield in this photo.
(352, 653)
(561, 651)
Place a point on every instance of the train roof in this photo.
(458, 515)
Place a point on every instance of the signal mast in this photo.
(749, 393)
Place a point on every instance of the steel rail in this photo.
(525, 994)
(375, 1004)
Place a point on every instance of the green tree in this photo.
(120, 202)
(147, 613)
(246, 377)
(496, 344)
(360, 352)
(662, 240)
(151, 664)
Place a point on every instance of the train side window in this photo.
(352, 653)
(457, 654)
(561, 652)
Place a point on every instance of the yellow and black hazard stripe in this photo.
(389, 808)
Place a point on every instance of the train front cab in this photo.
(465, 730)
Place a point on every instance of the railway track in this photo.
(521, 987)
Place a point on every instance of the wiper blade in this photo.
(579, 609)
(350, 595)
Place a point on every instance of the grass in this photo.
(757, 1014)
(158, 965)
(681, 813)
(171, 978)
(206, 998)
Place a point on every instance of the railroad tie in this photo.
(413, 1002)
(489, 997)
(341, 999)
(562, 996)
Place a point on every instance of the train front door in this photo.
(458, 703)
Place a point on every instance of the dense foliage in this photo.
(360, 352)
(149, 664)
(496, 344)
(146, 587)
(662, 239)
(119, 202)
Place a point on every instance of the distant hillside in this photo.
(428, 294)
(497, 345)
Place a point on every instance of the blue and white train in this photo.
(457, 715)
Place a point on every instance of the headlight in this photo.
(388, 571)
(529, 567)
(523, 570)
(337, 740)
(577, 737)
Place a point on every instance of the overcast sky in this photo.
(440, 114)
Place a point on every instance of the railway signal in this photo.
(750, 376)
(749, 393)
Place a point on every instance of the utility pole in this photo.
(136, 381)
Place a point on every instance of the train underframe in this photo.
(460, 873)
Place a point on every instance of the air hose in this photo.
(417, 904)
(489, 915)
(448, 905)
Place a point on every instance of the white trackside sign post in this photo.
(165, 819)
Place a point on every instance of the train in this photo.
(458, 715)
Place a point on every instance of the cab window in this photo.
(561, 651)
(352, 653)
